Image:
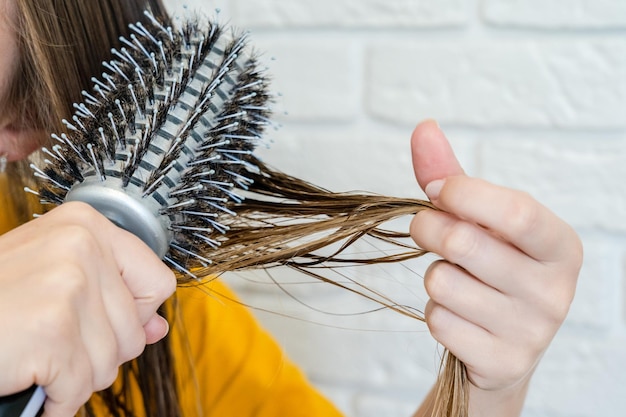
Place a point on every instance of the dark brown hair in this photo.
(61, 46)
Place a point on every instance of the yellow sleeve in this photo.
(234, 367)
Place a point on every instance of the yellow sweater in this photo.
(226, 364)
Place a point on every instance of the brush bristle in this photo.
(163, 146)
(171, 123)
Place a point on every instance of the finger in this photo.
(494, 262)
(100, 342)
(513, 215)
(470, 343)
(156, 329)
(482, 352)
(433, 157)
(149, 280)
(71, 387)
(464, 295)
(122, 311)
(124, 318)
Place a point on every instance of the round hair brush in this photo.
(163, 146)
(163, 140)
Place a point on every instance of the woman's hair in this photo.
(62, 44)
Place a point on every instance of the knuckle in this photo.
(506, 370)
(553, 303)
(459, 241)
(79, 213)
(84, 394)
(513, 372)
(522, 213)
(435, 319)
(56, 325)
(106, 366)
(526, 360)
(133, 347)
(160, 289)
(418, 222)
(168, 284)
(77, 242)
(70, 284)
(436, 282)
(532, 341)
(556, 310)
(106, 379)
(130, 338)
(577, 254)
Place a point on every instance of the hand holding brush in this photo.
(90, 296)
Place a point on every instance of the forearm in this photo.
(502, 403)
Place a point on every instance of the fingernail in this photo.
(434, 121)
(433, 188)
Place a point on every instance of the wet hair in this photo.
(61, 45)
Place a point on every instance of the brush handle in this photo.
(28, 403)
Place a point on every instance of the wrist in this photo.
(507, 402)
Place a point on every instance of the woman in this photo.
(80, 296)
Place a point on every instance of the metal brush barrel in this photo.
(114, 202)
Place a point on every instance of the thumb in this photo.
(432, 154)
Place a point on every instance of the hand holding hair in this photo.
(507, 277)
(89, 295)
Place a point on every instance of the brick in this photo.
(581, 179)
(355, 157)
(326, 333)
(568, 84)
(315, 78)
(364, 356)
(350, 13)
(556, 14)
(581, 377)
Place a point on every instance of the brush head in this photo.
(164, 140)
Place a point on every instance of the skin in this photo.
(507, 277)
(78, 295)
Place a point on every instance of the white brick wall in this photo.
(350, 13)
(554, 14)
(532, 94)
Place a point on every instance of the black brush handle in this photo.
(28, 403)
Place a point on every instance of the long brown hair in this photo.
(61, 46)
